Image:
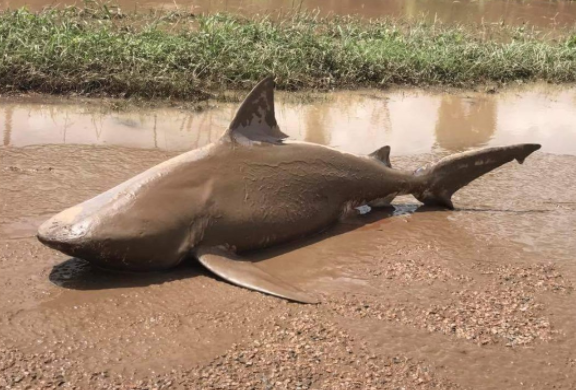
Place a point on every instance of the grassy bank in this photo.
(179, 55)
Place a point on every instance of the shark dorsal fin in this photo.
(255, 120)
(382, 155)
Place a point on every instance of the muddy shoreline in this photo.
(477, 298)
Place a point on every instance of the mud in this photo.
(476, 298)
(541, 13)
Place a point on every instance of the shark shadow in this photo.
(78, 274)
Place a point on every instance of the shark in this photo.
(252, 188)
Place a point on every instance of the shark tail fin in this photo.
(441, 180)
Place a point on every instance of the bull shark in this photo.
(250, 189)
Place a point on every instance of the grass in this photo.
(170, 54)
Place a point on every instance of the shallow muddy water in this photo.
(412, 122)
(541, 13)
(477, 298)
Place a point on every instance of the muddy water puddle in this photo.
(541, 13)
(412, 122)
(481, 297)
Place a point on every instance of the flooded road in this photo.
(540, 13)
(476, 298)
(411, 122)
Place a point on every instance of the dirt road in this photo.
(477, 298)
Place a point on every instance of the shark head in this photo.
(117, 231)
(155, 219)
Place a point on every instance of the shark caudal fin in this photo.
(443, 179)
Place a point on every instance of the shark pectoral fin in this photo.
(255, 120)
(235, 270)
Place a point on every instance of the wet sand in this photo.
(543, 14)
(476, 298)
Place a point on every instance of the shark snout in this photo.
(61, 235)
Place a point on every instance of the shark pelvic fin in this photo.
(382, 155)
(255, 120)
(243, 273)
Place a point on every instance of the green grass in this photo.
(106, 52)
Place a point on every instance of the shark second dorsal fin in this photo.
(255, 120)
(382, 155)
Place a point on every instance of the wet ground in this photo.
(477, 298)
(540, 13)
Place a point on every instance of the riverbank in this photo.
(161, 54)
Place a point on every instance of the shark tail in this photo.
(441, 180)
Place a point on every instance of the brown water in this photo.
(412, 122)
(541, 13)
(476, 298)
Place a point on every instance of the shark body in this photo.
(250, 189)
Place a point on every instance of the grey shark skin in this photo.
(250, 189)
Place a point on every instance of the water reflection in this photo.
(412, 122)
(465, 123)
(313, 121)
(8, 126)
(541, 13)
